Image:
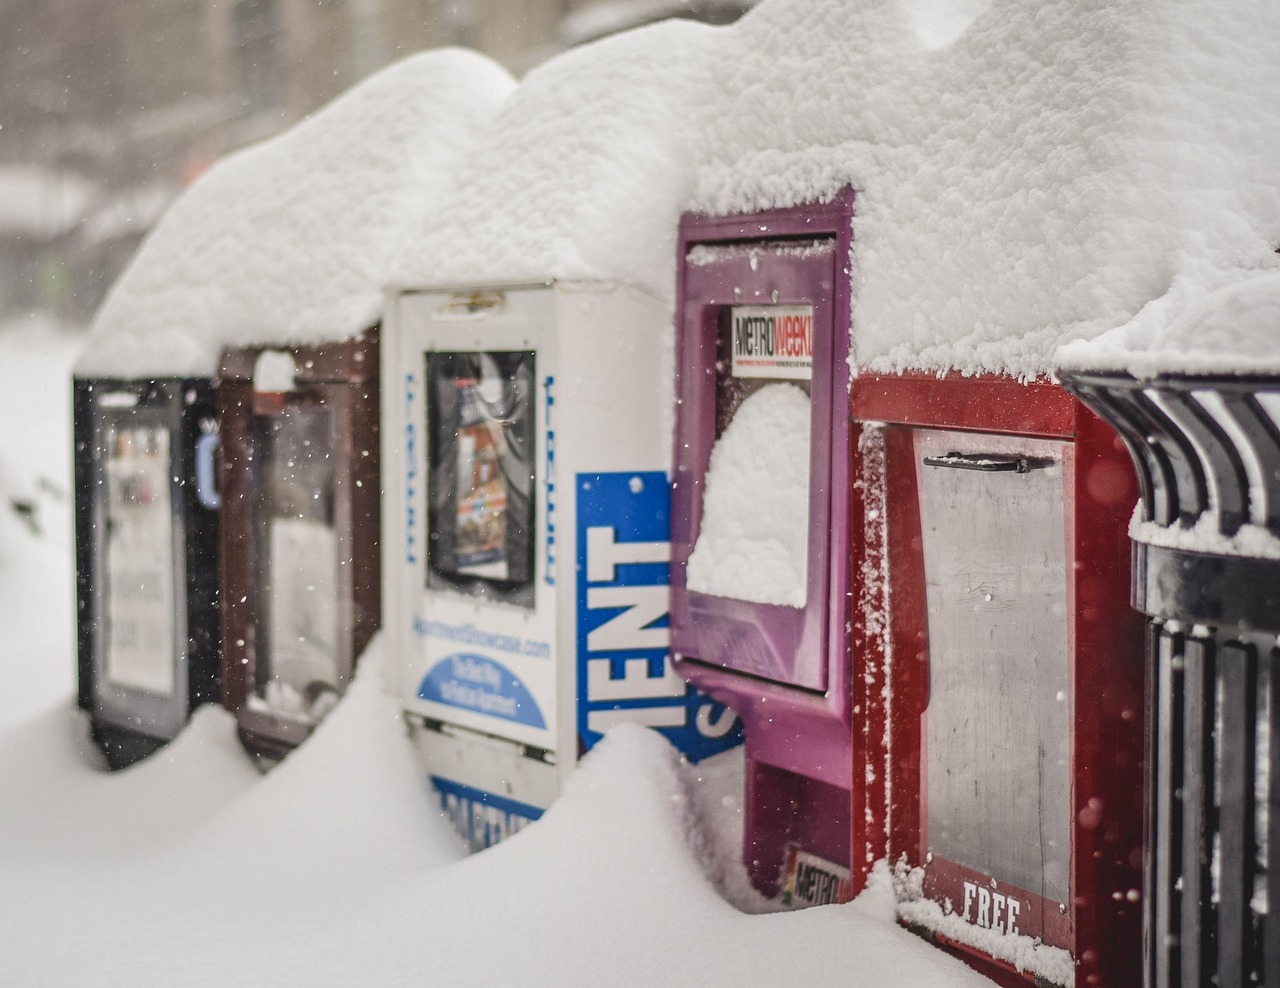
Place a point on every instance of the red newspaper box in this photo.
(300, 524)
(1000, 669)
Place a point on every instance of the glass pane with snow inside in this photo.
(139, 555)
(997, 736)
(753, 543)
(297, 660)
(480, 413)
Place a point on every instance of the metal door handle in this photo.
(988, 462)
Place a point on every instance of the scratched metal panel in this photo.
(997, 731)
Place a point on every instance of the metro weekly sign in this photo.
(773, 341)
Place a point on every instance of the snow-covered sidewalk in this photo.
(337, 868)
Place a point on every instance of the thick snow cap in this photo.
(1028, 174)
(583, 173)
(289, 242)
(1234, 330)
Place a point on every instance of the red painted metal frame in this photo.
(344, 378)
(1103, 923)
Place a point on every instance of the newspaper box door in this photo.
(752, 498)
(145, 508)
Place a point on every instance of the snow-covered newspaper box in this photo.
(1199, 409)
(298, 466)
(146, 558)
(287, 242)
(526, 539)
(1000, 672)
(760, 524)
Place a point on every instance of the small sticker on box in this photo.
(813, 881)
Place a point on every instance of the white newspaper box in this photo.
(526, 453)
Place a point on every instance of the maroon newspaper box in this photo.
(1004, 694)
(760, 537)
(300, 524)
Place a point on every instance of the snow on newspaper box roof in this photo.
(287, 242)
(1028, 175)
(583, 173)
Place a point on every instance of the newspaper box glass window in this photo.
(140, 627)
(298, 666)
(480, 414)
(754, 540)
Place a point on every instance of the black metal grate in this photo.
(1215, 831)
(1207, 451)
(1184, 447)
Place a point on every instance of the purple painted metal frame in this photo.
(796, 707)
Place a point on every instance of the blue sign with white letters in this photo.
(623, 636)
(477, 682)
(481, 818)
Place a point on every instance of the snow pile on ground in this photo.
(1040, 174)
(37, 588)
(60, 803)
(337, 868)
(754, 542)
(289, 241)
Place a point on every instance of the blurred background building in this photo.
(107, 110)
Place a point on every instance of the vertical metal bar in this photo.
(1168, 835)
(1150, 773)
(1221, 458)
(1236, 752)
(1151, 472)
(1197, 797)
(1271, 922)
(1265, 439)
(1127, 416)
(1190, 483)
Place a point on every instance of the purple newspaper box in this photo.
(760, 523)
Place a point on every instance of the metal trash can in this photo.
(146, 558)
(1207, 576)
